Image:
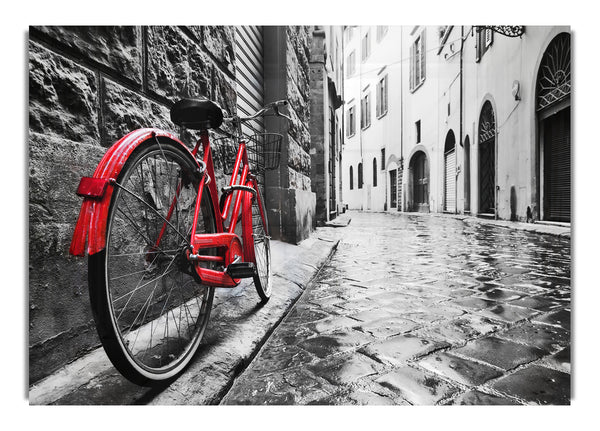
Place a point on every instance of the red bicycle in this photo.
(160, 239)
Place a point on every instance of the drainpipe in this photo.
(400, 199)
(460, 113)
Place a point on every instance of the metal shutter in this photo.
(557, 155)
(249, 74)
(450, 182)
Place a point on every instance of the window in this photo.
(374, 172)
(351, 179)
(418, 131)
(382, 97)
(417, 62)
(350, 121)
(381, 31)
(383, 159)
(351, 65)
(366, 47)
(365, 111)
(484, 39)
(360, 176)
(442, 32)
(349, 33)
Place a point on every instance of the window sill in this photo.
(419, 85)
(382, 115)
(366, 127)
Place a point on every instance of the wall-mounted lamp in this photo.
(516, 90)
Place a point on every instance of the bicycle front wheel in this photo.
(149, 307)
(257, 244)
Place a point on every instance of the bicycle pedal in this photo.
(241, 270)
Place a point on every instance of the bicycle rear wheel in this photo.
(149, 307)
(257, 243)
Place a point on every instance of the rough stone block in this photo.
(124, 111)
(461, 370)
(508, 313)
(417, 387)
(561, 318)
(219, 40)
(500, 353)
(177, 67)
(398, 350)
(345, 369)
(63, 97)
(537, 385)
(116, 47)
(544, 337)
(55, 168)
(335, 342)
(477, 398)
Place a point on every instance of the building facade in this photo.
(88, 86)
(372, 93)
(485, 123)
(326, 89)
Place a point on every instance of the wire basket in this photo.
(264, 151)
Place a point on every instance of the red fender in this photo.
(94, 211)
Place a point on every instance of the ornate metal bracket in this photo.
(508, 30)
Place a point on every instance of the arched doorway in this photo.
(487, 160)
(450, 173)
(553, 108)
(467, 174)
(419, 176)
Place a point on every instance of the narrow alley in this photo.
(424, 310)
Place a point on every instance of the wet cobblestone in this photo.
(417, 309)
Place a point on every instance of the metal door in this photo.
(450, 181)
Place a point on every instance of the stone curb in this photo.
(238, 327)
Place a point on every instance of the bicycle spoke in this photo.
(157, 213)
(156, 307)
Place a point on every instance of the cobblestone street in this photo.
(424, 310)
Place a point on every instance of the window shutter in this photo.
(413, 62)
(422, 77)
(489, 37)
(378, 100)
(385, 94)
(478, 45)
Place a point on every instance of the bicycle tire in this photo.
(257, 243)
(149, 307)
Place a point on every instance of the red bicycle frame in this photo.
(97, 192)
(228, 241)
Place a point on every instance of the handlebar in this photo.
(263, 112)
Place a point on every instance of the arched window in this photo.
(351, 178)
(374, 172)
(360, 176)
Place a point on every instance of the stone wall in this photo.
(88, 86)
(290, 201)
